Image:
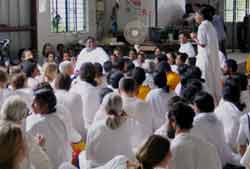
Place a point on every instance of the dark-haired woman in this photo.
(158, 98)
(45, 121)
(208, 51)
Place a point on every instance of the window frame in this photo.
(68, 20)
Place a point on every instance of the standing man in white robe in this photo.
(91, 53)
(189, 151)
(208, 50)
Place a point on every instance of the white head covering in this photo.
(64, 65)
(14, 109)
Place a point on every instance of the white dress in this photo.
(73, 102)
(97, 55)
(90, 100)
(191, 152)
(207, 126)
(158, 100)
(208, 59)
(229, 115)
(53, 129)
(103, 143)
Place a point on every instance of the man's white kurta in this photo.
(90, 100)
(207, 127)
(230, 116)
(208, 57)
(188, 49)
(97, 55)
(158, 100)
(191, 152)
(140, 111)
(53, 129)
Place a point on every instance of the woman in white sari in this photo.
(208, 51)
(15, 110)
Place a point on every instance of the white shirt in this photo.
(103, 143)
(188, 49)
(26, 94)
(90, 100)
(244, 132)
(207, 59)
(206, 126)
(229, 115)
(97, 55)
(174, 68)
(32, 82)
(191, 152)
(4, 94)
(140, 111)
(73, 102)
(53, 129)
(158, 100)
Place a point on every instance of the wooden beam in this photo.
(17, 28)
(33, 22)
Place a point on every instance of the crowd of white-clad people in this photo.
(100, 111)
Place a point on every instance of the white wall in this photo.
(44, 27)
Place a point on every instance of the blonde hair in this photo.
(50, 69)
(112, 104)
(11, 145)
(13, 109)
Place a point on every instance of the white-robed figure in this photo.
(46, 122)
(91, 53)
(70, 100)
(153, 153)
(136, 108)
(86, 87)
(207, 126)
(187, 150)
(158, 98)
(208, 49)
(15, 110)
(115, 126)
(229, 111)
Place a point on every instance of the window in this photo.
(236, 9)
(69, 15)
